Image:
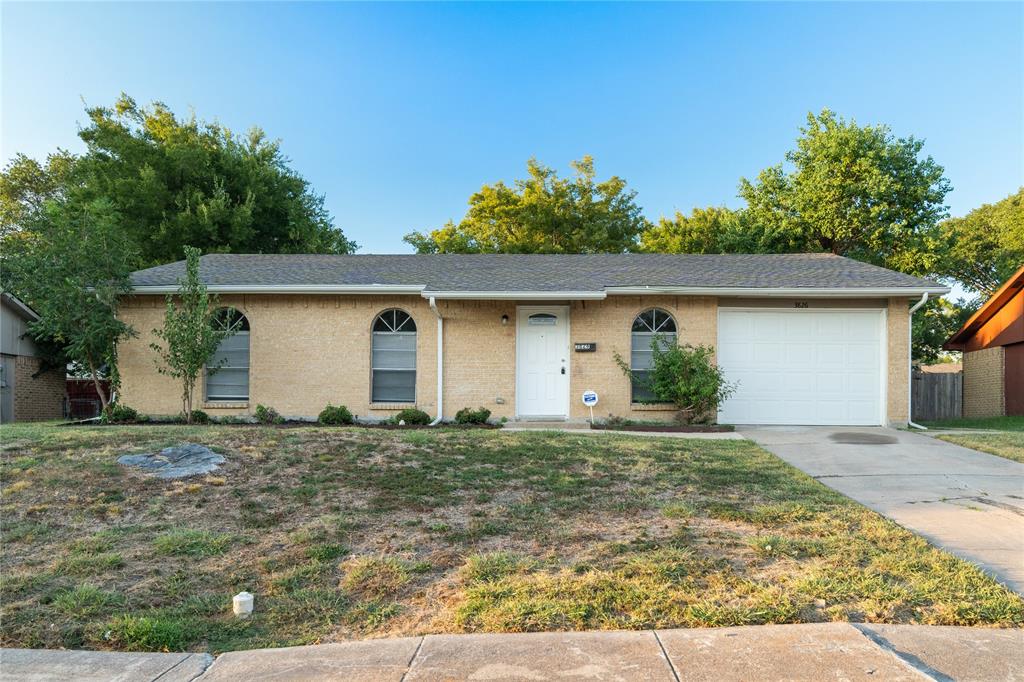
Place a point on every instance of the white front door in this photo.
(542, 362)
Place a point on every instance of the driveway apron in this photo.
(967, 502)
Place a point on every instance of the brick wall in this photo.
(306, 351)
(36, 398)
(983, 383)
(898, 360)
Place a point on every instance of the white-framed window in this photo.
(649, 325)
(227, 373)
(393, 358)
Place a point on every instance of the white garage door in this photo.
(802, 366)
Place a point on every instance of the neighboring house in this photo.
(83, 398)
(810, 338)
(992, 341)
(25, 393)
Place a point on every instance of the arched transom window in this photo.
(227, 372)
(649, 325)
(393, 361)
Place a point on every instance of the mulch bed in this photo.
(291, 424)
(665, 428)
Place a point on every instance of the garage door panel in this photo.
(768, 354)
(802, 367)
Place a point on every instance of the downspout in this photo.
(910, 362)
(440, 363)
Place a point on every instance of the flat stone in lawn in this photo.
(178, 461)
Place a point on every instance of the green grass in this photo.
(1012, 423)
(344, 533)
(190, 542)
(1009, 444)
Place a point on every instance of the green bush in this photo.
(683, 375)
(468, 416)
(198, 417)
(119, 414)
(335, 415)
(268, 415)
(411, 415)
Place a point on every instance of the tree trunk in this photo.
(104, 401)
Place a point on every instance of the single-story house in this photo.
(992, 341)
(809, 338)
(26, 393)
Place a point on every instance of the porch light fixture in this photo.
(504, 320)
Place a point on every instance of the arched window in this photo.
(648, 325)
(227, 373)
(393, 361)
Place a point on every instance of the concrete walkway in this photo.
(809, 652)
(967, 502)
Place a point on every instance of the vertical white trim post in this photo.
(440, 363)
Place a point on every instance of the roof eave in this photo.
(781, 292)
(518, 295)
(370, 289)
(958, 341)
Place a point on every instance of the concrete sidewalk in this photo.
(967, 502)
(773, 652)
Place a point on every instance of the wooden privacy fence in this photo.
(936, 395)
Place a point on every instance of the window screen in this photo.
(227, 373)
(647, 326)
(393, 361)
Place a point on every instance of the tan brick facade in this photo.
(307, 351)
(984, 391)
(897, 396)
(36, 398)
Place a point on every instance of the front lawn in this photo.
(344, 533)
(1009, 444)
(1012, 423)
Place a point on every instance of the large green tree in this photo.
(543, 213)
(715, 229)
(71, 263)
(986, 246)
(177, 181)
(851, 190)
(26, 185)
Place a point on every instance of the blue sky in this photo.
(398, 112)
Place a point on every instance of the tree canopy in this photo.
(72, 262)
(177, 182)
(854, 191)
(543, 213)
(715, 229)
(986, 246)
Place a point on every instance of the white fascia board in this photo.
(518, 295)
(292, 289)
(780, 292)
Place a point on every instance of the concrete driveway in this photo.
(968, 502)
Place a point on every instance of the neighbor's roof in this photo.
(986, 312)
(19, 307)
(538, 275)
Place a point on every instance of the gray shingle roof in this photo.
(540, 273)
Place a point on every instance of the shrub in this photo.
(119, 414)
(468, 416)
(683, 375)
(411, 415)
(335, 415)
(198, 417)
(268, 415)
